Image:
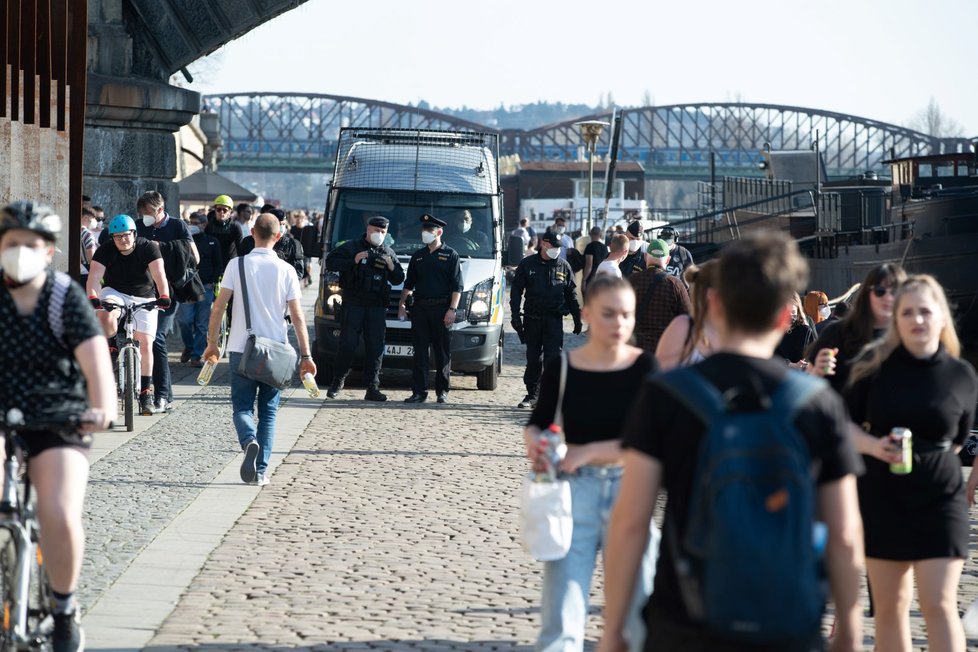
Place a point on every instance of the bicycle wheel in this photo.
(129, 390)
(40, 619)
(222, 339)
(8, 559)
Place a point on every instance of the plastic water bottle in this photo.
(309, 382)
(552, 453)
(207, 371)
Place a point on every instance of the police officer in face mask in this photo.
(368, 268)
(548, 283)
(634, 262)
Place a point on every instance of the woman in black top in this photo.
(915, 524)
(602, 377)
(797, 336)
(840, 342)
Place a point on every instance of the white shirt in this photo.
(565, 244)
(609, 267)
(272, 283)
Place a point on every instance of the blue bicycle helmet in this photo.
(34, 217)
(121, 224)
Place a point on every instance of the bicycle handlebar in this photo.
(13, 419)
(148, 305)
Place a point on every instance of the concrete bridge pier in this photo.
(131, 116)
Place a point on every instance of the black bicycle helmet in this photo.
(667, 233)
(39, 218)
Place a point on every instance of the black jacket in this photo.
(369, 283)
(549, 286)
(211, 265)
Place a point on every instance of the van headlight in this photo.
(333, 294)
(480, 302)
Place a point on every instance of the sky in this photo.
(877, 59)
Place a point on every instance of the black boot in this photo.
(335, 387)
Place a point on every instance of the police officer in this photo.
(551, 293)
(368, 269)
(434, 277)
(634, 262)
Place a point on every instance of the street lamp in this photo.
(590, 132)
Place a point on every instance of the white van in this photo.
(402, 174)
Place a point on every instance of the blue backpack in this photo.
(749, 566)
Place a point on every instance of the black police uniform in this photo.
(550, 294)
(366, 295)
(633, 263)
(433, 276)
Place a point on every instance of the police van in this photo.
(402, 174)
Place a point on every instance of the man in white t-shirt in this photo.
(273, 288)
(617, 250)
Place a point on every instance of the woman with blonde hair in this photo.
(686, 339)
(916, 523)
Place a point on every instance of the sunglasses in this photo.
(882, 290)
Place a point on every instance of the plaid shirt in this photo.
(653, 313)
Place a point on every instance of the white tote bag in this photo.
(546, 522)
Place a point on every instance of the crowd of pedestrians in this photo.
(841, 380)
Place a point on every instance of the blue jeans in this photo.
(244, 391)
(567, 582)
(193, 318)
(161, 361)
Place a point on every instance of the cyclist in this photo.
(50, 378)
(131, 266)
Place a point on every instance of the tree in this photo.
(932, 121)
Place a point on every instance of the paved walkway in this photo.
(385, 527)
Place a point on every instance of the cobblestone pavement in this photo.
(387, 527)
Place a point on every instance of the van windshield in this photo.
(468, 218)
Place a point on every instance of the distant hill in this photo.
(526, 116)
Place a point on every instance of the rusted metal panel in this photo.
(42, 115)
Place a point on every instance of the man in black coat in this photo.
(368, 268)
(287, 247)
(193, 317)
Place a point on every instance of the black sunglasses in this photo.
(881, 290)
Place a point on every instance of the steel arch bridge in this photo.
(299, 132)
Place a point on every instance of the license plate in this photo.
(399, 351)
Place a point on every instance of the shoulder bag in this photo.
(546, 520)
(264, 359)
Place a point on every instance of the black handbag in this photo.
(264, 360)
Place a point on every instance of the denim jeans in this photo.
(244, 392)
(161, 361)
(567, 582)
(193, 318)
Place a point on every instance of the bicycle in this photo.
(127, 364)
(28, 620)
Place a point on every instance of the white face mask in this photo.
(824, 312)
(375, 238)
(634, 245)
(283, 229)
(23, 263)
(428, 237)
(553, 253)
(148, 220)
(559, 230)
(466, 226)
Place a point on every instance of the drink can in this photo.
(904, 438)
(552, 453)
(206, 372)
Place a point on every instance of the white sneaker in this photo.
(970, 619)
(262, 480)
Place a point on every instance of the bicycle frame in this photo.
(130, 344)
(19, 523)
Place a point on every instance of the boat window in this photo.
(925, 170)
(945, 170)
(963, 169)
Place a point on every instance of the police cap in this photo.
(551, 238)
(431, 220)
(635, 228)
(378, 221)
